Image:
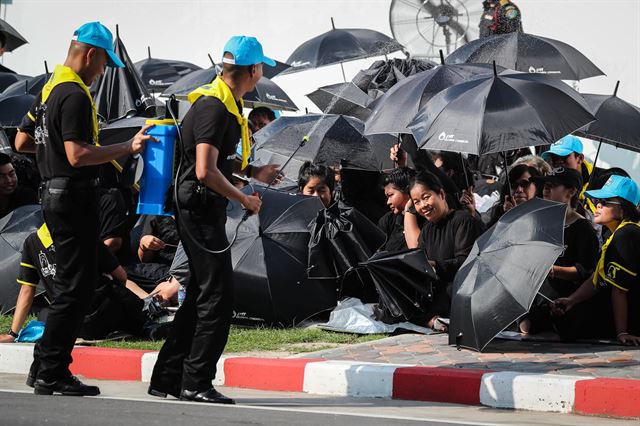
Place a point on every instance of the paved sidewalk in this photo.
(602, 361)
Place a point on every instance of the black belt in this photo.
(69, 183)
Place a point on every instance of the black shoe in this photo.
(31, 380)
(162, 392)
(68, 386)
(211, 396)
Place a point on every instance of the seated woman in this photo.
(317, 181)
(447, 237)
(607, 305)
(580, 256)
(396, 189)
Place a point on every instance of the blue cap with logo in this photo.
(564, 147)
(617, 186)
(97, 35)
(245, 51)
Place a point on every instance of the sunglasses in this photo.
(606, 203)
(522, 183)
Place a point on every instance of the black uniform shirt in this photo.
(66, 116)
(393, 227)
(208, 121)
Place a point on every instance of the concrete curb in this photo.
(506, 389)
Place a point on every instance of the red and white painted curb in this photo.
(527, 391)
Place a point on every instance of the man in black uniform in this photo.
(211, 131)
(62, 129)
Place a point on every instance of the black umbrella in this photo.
(120, 92)
(158, 74)
(269, 260)
(527, 53)
(500, 112)
(9, 78)
(31, 85)
(383, 75)
(266, 93)
(334, 140)
(340, 45)
(14, 229)
(394, 111)
(13, 38)
(341, 238)
(14, 108)
(504, 271)
(403, 281)
(342, 98)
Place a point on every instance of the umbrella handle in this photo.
(247, 213)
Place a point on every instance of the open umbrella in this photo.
(394, 111)
(382, 75)
(14, 108)
(500, 112)
(342, 98)
(340, 45)
(402, 280)
(9, 78)
(120, 92)
(504, 271)
(13, 38)
(341, 238)
(158, 74)
(527, 53)
(14, 229)
(31, 85)
(266, 93)
(269, 261)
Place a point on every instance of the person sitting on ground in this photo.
(317, 181)
(259, 117)
(607, 304)
(113, 221)
(447, 238)
(12, 195)
(534, 161)
(396, 189)
(578, 261)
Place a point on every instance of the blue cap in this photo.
(245, 51)
(96, 34)
(617, 186)
(564, 147)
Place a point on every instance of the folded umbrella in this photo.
(500, 112)
(342, 98)
(502, 275)
(527, 53)
(269, 261)
(341, 238)
(14, 108)
(158, 74)
(13, 38)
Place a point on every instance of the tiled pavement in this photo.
(501, 355)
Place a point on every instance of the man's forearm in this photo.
(25, 143)
(216, 181)
(23, 306)
(81, 154)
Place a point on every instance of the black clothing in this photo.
(163, 227)
(20, 197)
(393, 227)
(66, 116)
(113, 221)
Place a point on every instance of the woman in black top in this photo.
(447, 238)
(520, 190)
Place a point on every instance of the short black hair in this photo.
(5, 159)
(427, 179)
(514, 173)
(629, 211)
(399, 178)
(310, 170)
(262, 111)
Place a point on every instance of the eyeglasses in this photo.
(606, 203)
(522, 183)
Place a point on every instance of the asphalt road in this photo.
(126, 403)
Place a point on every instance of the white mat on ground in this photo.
(353, 316)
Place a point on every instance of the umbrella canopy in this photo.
(617, 121)
(382, 75)
(341, 237)
(500, 112)
(158, 74)
(14, 38)
(14, 229)
(402, 280)
(30, 85)
(14, 108)
(340, 45)
(266, 93)
(9, 78)
(342, 98)
(269, 260)
(504, 271)
(394, 111)
(120, 92)
(528, 53)
(334, 140)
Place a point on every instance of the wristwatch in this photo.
(12, 334)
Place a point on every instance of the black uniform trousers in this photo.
(72, 218)
(200, 328)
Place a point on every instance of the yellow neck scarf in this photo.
(63, 74)
(219, 89)
(600, 267)
(44, 236)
